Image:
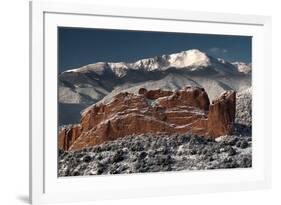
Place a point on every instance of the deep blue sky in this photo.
(78, 46)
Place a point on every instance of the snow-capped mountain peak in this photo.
(99, 82)
(98, 68)
(194, 58)
(190, 60)
(243, 67)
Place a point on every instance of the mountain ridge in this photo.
(90, 84)
(191, 60)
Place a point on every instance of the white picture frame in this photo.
(46, 187)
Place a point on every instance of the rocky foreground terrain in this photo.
(177, 152)
(145, 153)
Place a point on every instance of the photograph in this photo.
(133, 101)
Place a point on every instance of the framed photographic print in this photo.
(129, 102)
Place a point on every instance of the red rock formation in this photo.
(194, 97)
(68, 135)
(221, 115)
(155, 112)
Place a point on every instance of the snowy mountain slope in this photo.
(243, 67)
(191, 60)
(213, 86)
(81, 87)
(244, 107)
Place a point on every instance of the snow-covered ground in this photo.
(146, 153)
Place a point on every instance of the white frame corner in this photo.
(38, 170)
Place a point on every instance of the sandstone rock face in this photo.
(155, 112)
(221, 115)
(68, 135)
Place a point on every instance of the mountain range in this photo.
(99, 82)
